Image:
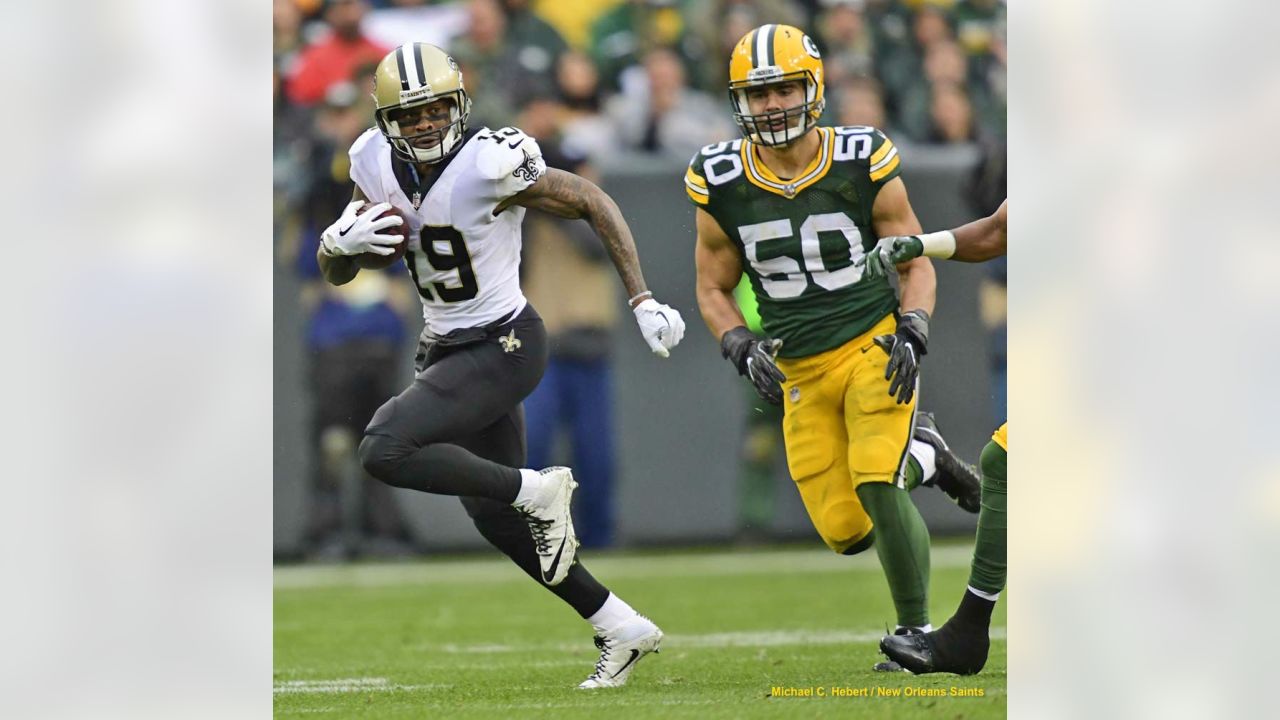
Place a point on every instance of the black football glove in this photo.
(905, 348)
(753, 357)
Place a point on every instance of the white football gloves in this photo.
(660, 324)
(356, 234)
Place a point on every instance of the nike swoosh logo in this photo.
(516, 144)
(344, 232)
(662, 331)
(634, 654)
(546, 577)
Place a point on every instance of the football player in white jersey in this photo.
(459, 429)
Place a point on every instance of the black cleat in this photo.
(955, 477)
(890, 665)
(944, 650)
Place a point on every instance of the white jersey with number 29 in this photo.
(464, 259)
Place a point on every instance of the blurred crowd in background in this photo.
(595, 82)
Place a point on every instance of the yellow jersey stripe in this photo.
(692, 187)
(885, 160)
(697, 197)
(884, 171)
(693, 177)
(878, 155)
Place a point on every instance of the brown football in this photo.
(374, 261)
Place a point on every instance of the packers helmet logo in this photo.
(810, 47)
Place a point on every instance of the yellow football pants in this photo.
(1001, 436)
(843, 429)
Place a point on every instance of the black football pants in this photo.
(459, 430)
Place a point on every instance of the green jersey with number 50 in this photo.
(803, 239)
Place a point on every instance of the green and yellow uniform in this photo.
(802, 242)
(1001, 437)
(988, 572)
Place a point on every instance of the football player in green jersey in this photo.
(796, 206)
(960, 646)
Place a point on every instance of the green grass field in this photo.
(475, 638)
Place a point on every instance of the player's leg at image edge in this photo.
(904, 539)
(961, 645)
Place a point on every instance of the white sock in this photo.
(530, 484)
(926, 456)
(984, 595)
(923, 628)
(613, 613)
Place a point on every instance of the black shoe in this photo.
(944, 650)
(890, 665)
(955, 477)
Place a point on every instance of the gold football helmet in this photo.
(412, 75)
(775, 54)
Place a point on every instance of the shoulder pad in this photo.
(869, 147)
(368, 138)
(509, 159)
(368, 154)
(718, 163)
(855, 143)
(502, 152)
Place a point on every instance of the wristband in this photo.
(939, 244)
(644, 294)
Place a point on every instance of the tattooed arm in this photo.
(570, 196)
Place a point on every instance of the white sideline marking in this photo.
(770, 562)
(345, 685)
(770, 638)
(761, 638)
(613, 701)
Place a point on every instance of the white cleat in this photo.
(551, 523)
(620, 652)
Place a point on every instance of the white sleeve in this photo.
(364, 163)
(511, 160)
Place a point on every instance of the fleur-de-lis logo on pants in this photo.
(510, 343)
